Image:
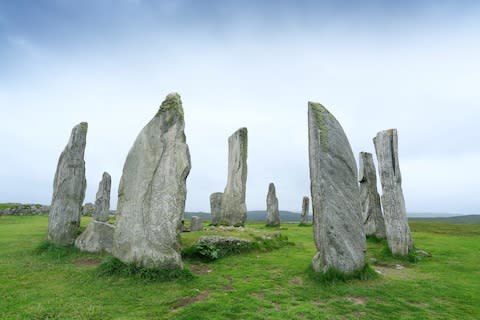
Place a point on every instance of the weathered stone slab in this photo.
(337, 217)
(216, 207)
(273, 216)
(98, 236)
(373, 222)
(69, 189)
(396, 224)
(102, 202)
(234, 209)
(304, 214)
(196, 224)
(152, 192)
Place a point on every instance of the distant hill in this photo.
(253, 216)
(468, 219)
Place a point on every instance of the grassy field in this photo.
(274, 284)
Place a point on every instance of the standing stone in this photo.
(234, 209)
(102, 202)
(337, 214)
(396, 223)
(152, 192)
(196, 224)
(88, 209)
(68, 189)
(373, 222)
(216, 207)
(98, 235)
(273, 217)
(304, 215)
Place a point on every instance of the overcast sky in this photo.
(412, 65)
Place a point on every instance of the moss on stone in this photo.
(172, 101)
(320, 113)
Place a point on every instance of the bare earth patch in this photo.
(357, 300)
(188, 301)
(200, 269)
(229, 286)
(296, 281)
(87, 263)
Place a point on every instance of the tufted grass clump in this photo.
(56, 252)
(112, 266)
(334, 275)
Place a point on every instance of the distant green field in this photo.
(256, 285)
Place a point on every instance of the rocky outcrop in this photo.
(273, 216)
(97, 237)
(234, 209)
(373, 222)
(196, 224)
(304, 214)
(152, 192)
(396, 224)
(337, 217)
(68, 189)
(102, 201)
(216, 207)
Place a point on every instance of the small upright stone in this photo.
(102, 202)
(196, 224)
(69, 189)
(304, 215)
(234, 209)
(88, 209)
(337, 215)
(396, 223)
(273, 216)
(216, 207)
(373, 222)
(152, 192)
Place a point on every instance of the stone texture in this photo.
(304, 214)
(196, 224)
(373, 222)
(395, 215)
(234, 209)
(273, 216)
(98, 236)
(68, 189)
(337, 217)
(152, 192)
(88, 209)
(216, 207)
(102, 201)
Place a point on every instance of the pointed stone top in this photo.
(271, 187)
(83, 126)
(172, 101)
(106, 175)
(317, 107)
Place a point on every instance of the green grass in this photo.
(38, 281)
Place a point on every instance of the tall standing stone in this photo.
(102, 202)
(273, 216)
(373, 222)
(98, 235)
(396, 223)
(152, 192)
(304, 214)
(234, 209)
(69, 189)
(337, 215)
(196, 224)
(216, 207)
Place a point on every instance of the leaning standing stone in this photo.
(337, 217)
(273, 217)
(196, 224)
(373, 222)
(216, 207)
(152, 192)
(69, 189)
(234, 209)
(396, 223)
(304, 215)
(102, 202)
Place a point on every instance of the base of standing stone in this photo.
(98, 236)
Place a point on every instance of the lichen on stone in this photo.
(320, 112)
(172, 101)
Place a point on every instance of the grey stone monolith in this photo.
(234, 209)
(102, 201)
(69, 189)
(97, 237)
(337, 214)
(216, 207)
(273, 216)
(304, 214)
(152, 192)
(396, 224)
(373, 222)
(196, 224)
